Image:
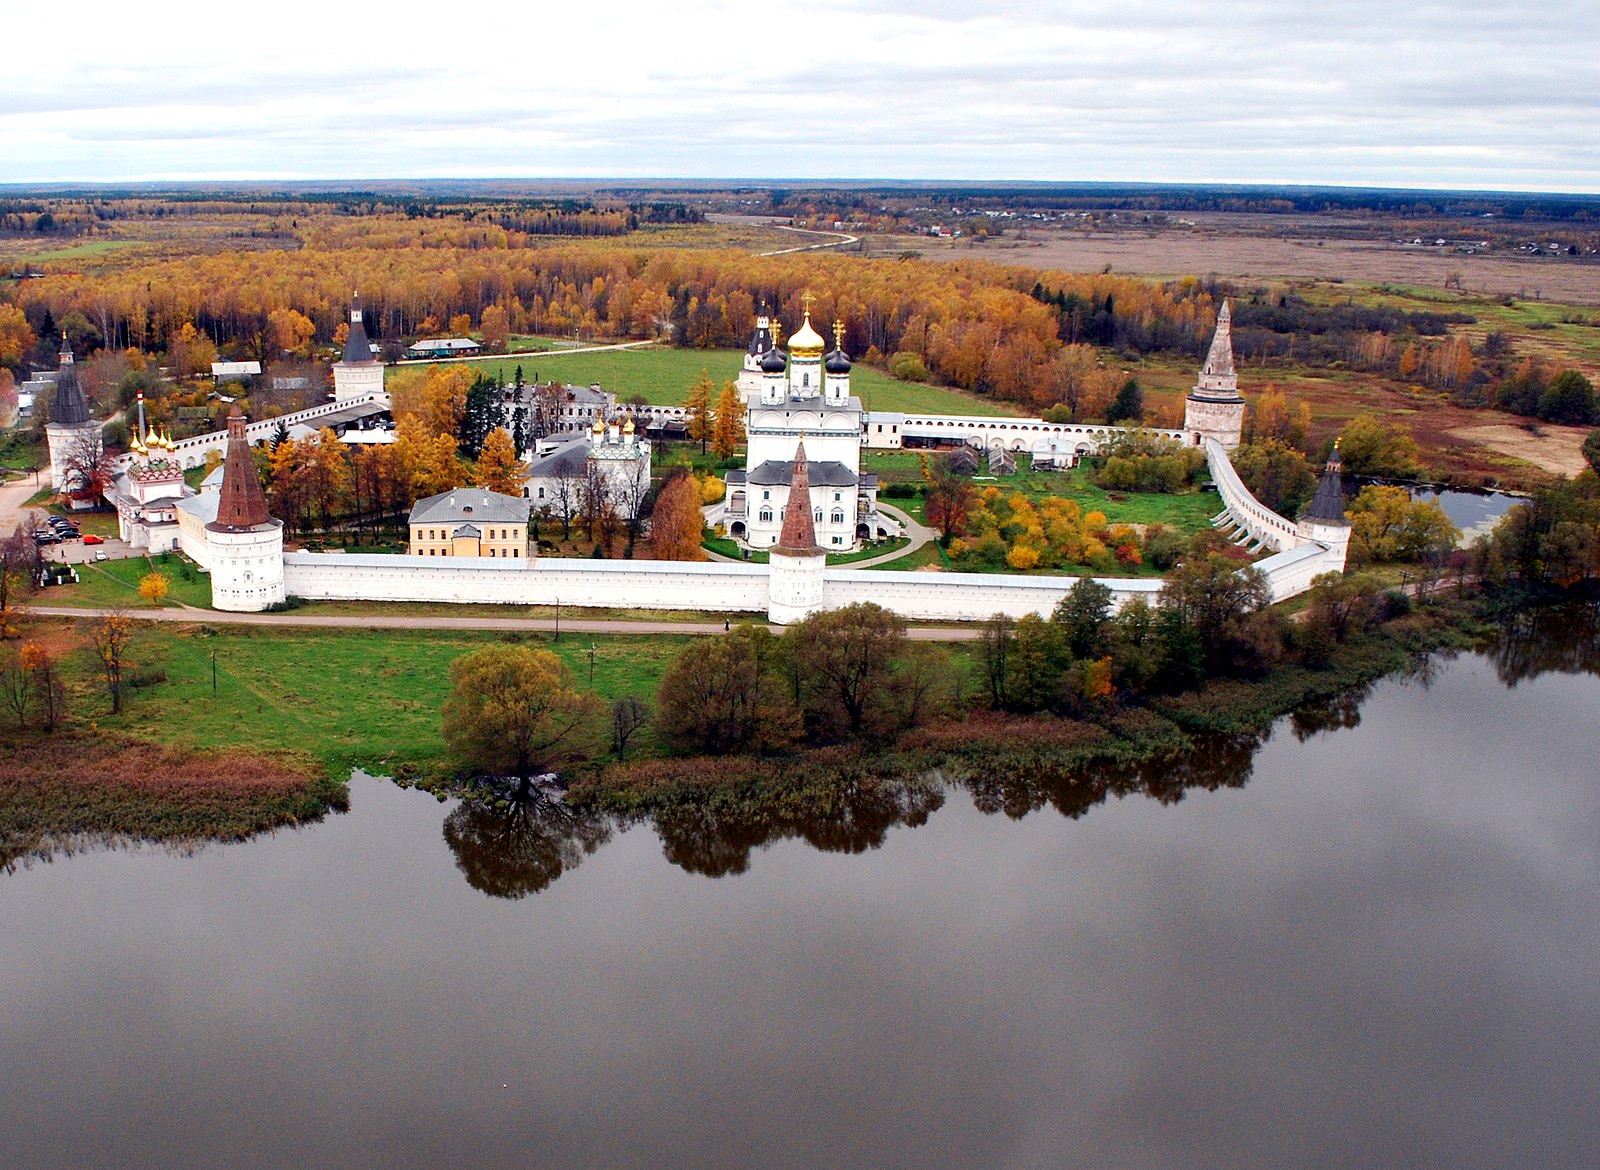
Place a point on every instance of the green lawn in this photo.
(116, 583)
(662, 375)
(352, 698)
(22, 450)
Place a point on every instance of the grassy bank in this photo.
(74, 788)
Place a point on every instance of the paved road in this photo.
(12, 497)
(420, 622)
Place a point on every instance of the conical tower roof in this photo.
(243, 505)
(799, 535)
(357, 348)
(71, 407)
(1327, 506)
(1218, 380)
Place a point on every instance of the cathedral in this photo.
(793, 402)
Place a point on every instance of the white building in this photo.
(802, 398)
(148, 493)
(558, 475)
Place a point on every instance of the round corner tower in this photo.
(246, 543)
(357, 374)
(71, 428)
(796, 563)
(1214, 409)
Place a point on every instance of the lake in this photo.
(1372, 942)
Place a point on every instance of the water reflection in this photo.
(513, 841)
(1535, 642)
(717, 840)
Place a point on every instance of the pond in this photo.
(1369, 939)
(1475, 513)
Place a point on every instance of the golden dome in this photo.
(807, 342)
(599, 425)
(628, 427)
(152, 439)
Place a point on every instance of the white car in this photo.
(100, 554)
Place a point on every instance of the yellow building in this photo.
(470, 522)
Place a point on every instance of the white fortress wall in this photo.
(967, 597)
(1265, 526)
(192, 452)
(889, 429)
(717, 586)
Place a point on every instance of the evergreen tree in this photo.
(485, 411)
(1128, 404)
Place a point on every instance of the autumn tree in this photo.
(1370, 447)
(291, 331)
(110, 638)
(1273, 418)
(513, 710)
(496, 329)
(328, 477)
(19, 563)
(87, 466)
(728, 693)
(1215, 597)
(594, 497)
(498, 467)
(698, 408)
(16, 335)
(153, 587)
(728, 430)
(948, 500)
(843, 659)
(677, 523)
(1386, 524)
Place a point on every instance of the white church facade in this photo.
(795, 399)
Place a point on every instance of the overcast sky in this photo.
(1359, 92)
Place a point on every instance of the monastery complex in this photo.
(806, 431)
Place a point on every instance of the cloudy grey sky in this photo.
(1363, 92)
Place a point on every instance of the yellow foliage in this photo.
(712, 489)
(1022, 557)
(1095, 522)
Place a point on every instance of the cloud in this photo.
(1397, 93)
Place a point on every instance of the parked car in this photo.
(100, 554)
(93, 539)
(46, 538)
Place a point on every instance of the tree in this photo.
(153, 587)
(948, 500)
(19, 567)
(1272, 418)
(110, 638)
(513, 710)
(677, 523)
(1276, 474)
(698, 408)
(998, 634)
(327, 475)
(594, 497)
(1591, 450)
(1388, 525)
(16, 335)
(727, 694)
(630, 489)
(628, 714)
(843, 658)
(1372, 448)
(495, 327)
(88, 467)
(1569, 398)
(1214, 596)
(498, 467)
(483, 411)
(1129, 403)
(728, 431)
(290, 330)
(1084, 616)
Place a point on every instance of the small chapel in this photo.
(794, 401)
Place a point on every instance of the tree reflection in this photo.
(1565, 639)
(1340, 713)
(515, 840)
(717, 840)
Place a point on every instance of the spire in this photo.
(71, 407)
(799, 536)
(243, 505)
(356, 346)
(1327, 506)
(1217, 376)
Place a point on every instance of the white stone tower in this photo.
(246, 543)
(1323, 520)
(357, 374)
(71, 432)
(797, 562)
(1214, 409)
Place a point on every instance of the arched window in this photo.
(766, 515)
(837, 518)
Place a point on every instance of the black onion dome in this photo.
(837, 362)
(774, 362)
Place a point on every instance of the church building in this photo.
(793, 402)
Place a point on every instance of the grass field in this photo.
(662, 376)
(116, 584)
(351, 698)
